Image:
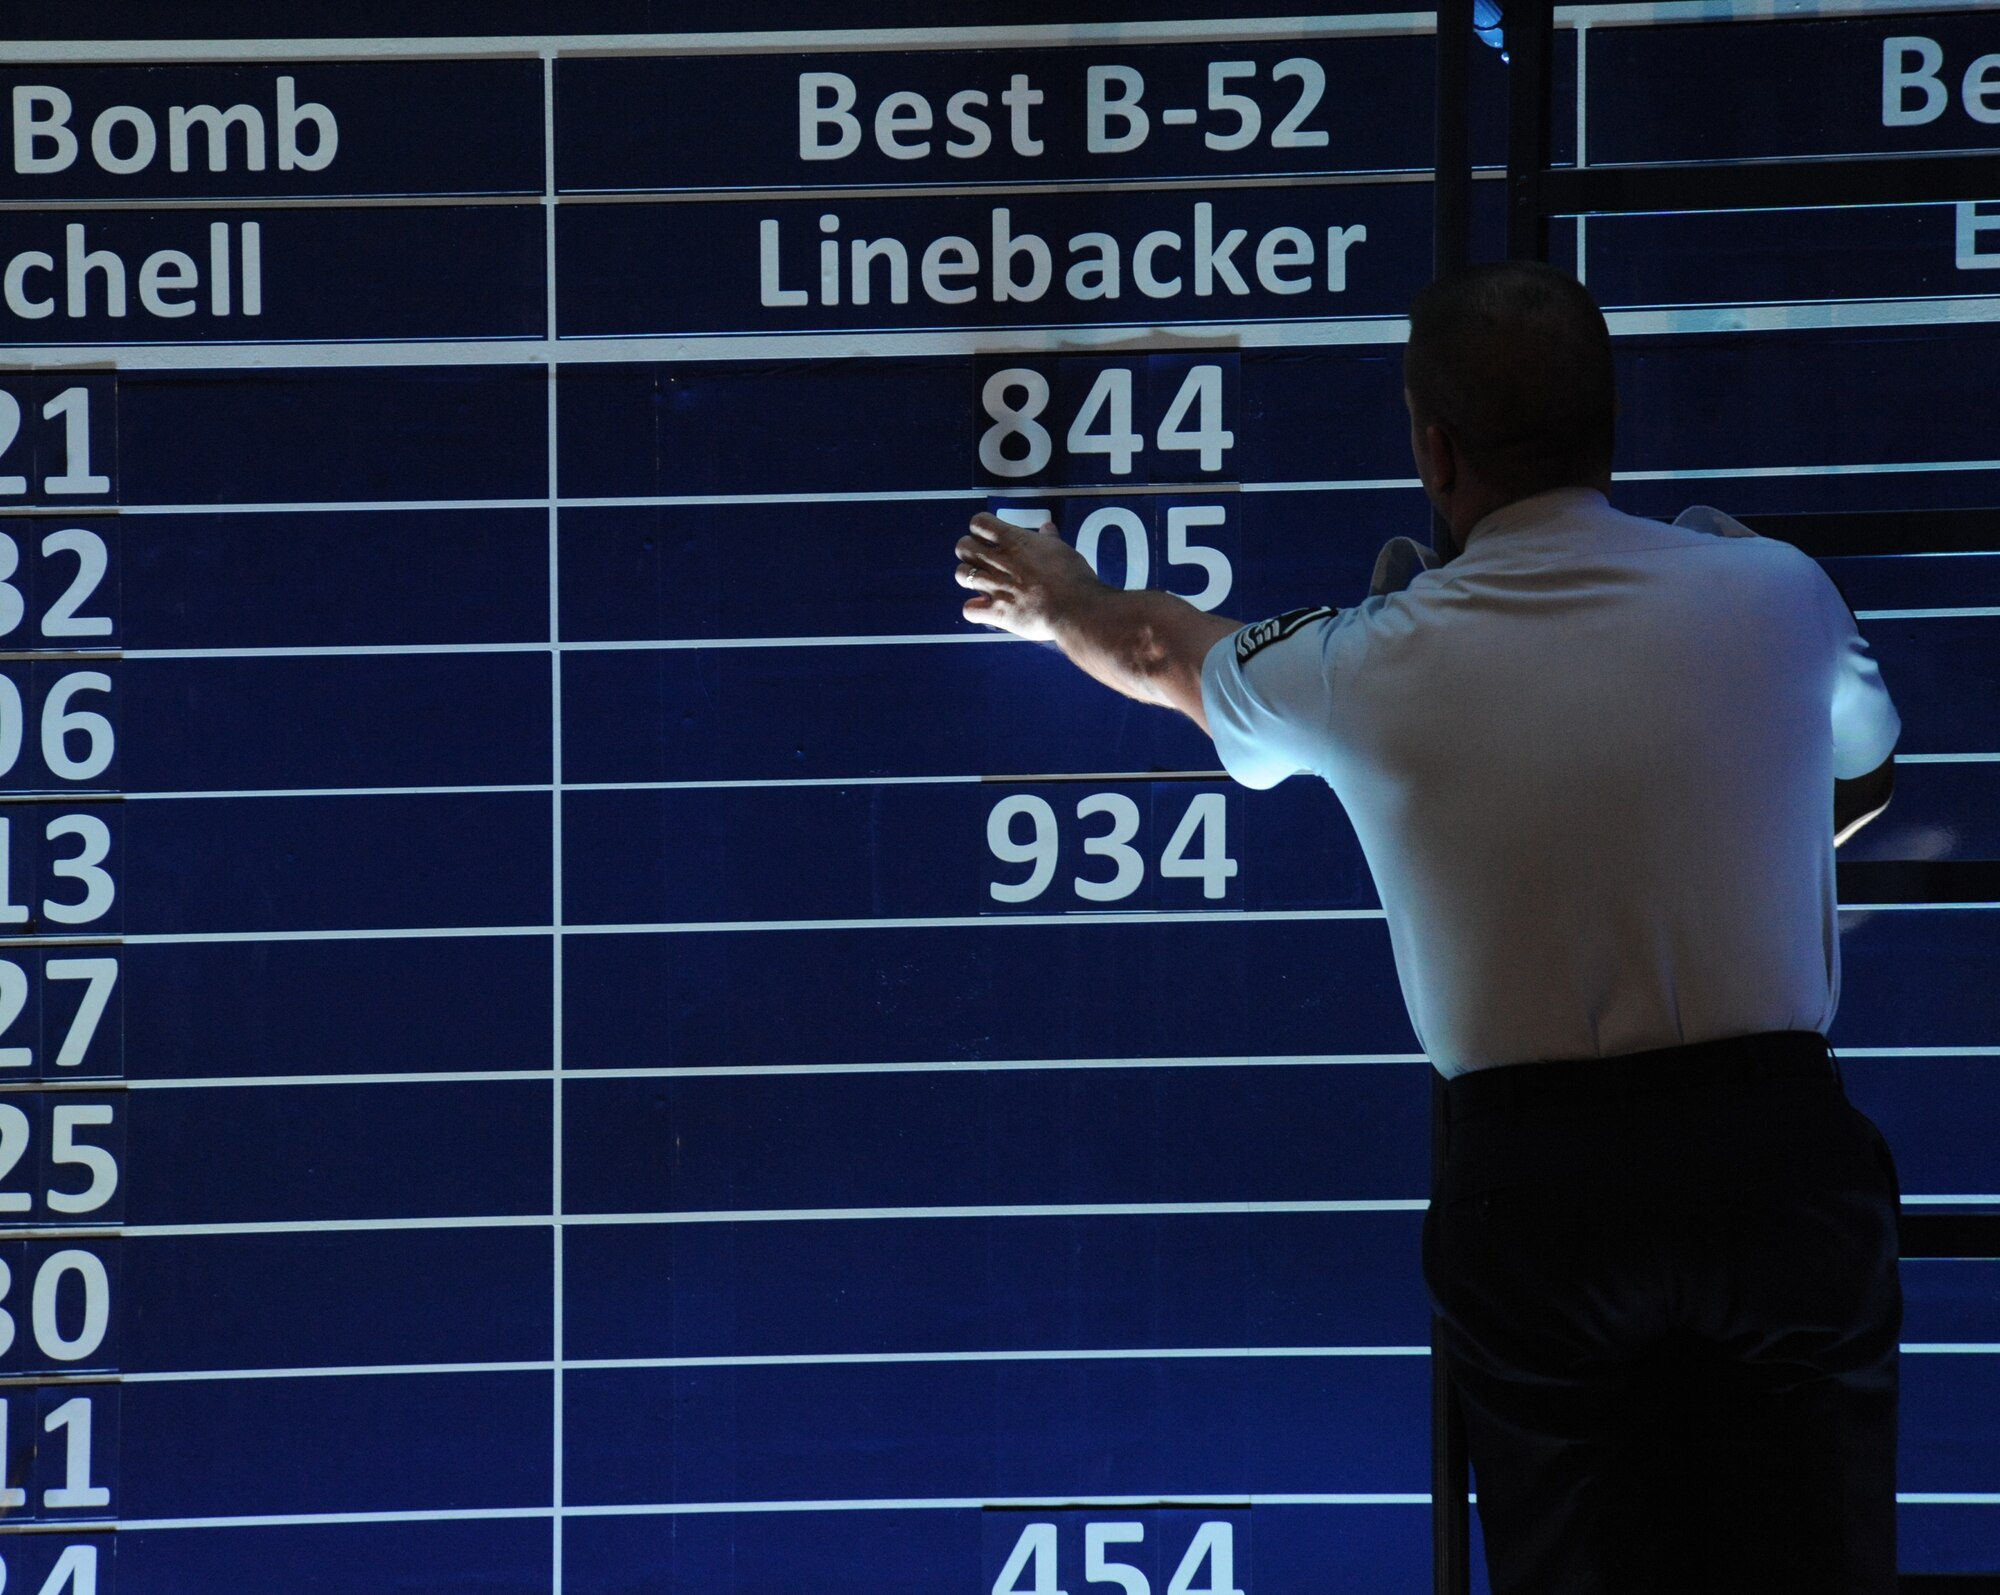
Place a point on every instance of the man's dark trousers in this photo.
(1669, 1301)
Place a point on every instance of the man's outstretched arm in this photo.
(1147, 645)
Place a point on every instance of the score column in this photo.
(892, 1070)
(61, 1031)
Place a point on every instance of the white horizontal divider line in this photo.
(1137, 916)
(674, 194)
(523, 349)
(338, 650)
(697, 1071)
(1826, 315)
(253, 1082)
(178, 938)
(1001, 1210)
(1020, 35)
(620, 645)
(1969, 612)
(298, 1226)
(1951, 1348)
(341, 792)
(387, 1370)
(713, 1071)
(304, 1226)
(967, 494)
(967, 1503)
(1192, 916)
(1746, 472)
(841, 780)
(683, 644)
(1916, 1052)
(793, 1215)
(1987, 1200)
(1076, 778)
(860, 1359)
(1641, 13)
(879, 639)
(306, 507)
(1917, 908)
(528, 350)
(784, 1360)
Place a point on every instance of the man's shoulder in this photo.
(1711, 528)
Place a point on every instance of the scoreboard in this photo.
(567, 1026)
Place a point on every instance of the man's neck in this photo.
(1480, 512)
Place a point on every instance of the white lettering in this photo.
(769, 292)
(250, 239)
(1338, 241)
(1018, 97)
(816, 113)
(1896, 79)
(862, 255)
(1093, 278)
(949, 257)
(1005, 247)
(326, 131)
(15, 288)
(901, 113)
(124, 139)
(218, 268)
(155, 282)
(1210, 262)
(1978, 90)
(181, 118)
(79, 265)
(144, 140)
(1142, 265)
(1203, 259)
(978, 137)
(1284, 246)
(829, 262)
(1100, 107)
(1969, 256)
(30, 129)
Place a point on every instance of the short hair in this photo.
(1513, 360)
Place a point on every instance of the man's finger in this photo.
(977, 577)
(991, 529)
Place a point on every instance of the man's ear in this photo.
(1443, 455)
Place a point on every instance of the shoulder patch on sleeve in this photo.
(1251, 639)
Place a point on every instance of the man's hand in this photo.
(1026, 582)
(1858, 801)
(1147, 645)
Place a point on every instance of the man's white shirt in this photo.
(1590, 762)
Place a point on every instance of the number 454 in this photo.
(74, 1573)
(1034, 1555)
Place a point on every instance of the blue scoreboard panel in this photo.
(567, 1025)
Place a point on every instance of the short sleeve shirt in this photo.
(1590, 762)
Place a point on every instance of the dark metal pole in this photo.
(1530, 40)
(1451, 199)
(1451, 248)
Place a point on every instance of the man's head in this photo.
(1509, 382)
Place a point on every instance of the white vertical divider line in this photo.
(1582, 123)
(556, 840)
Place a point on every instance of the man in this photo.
(1596, 765)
